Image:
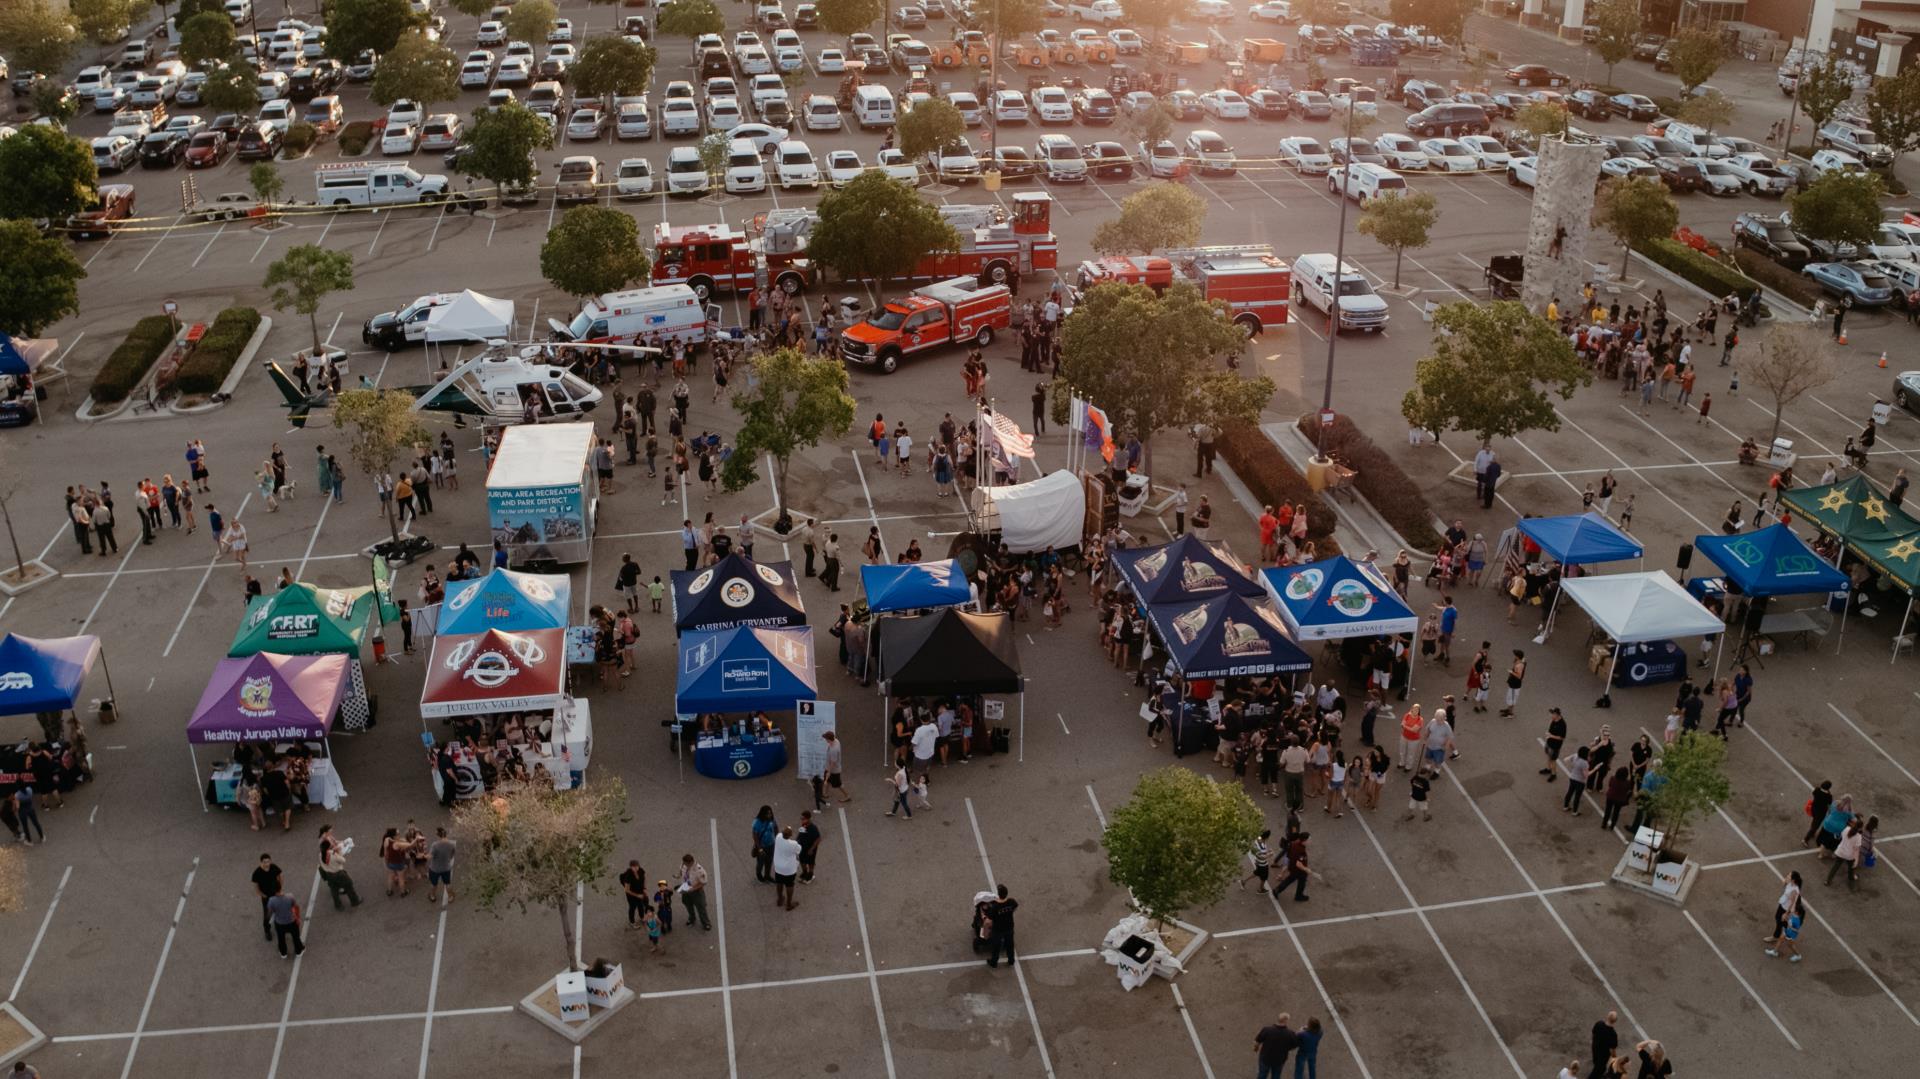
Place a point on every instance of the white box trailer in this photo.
(541, 495)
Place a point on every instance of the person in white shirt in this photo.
(900, 787)
(786, 867)
(925, 737)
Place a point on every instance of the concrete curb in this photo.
(234, 375)
(1358, 516)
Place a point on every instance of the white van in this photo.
(1360, 307)
(239, 11)
(1363, 182)
(823, 113)
(375, 184)
(746, 174)
(673, 312)
(872, 106)
(1696, 140)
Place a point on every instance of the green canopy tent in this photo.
(1875, 530)
(1898, 559)
(306, 620)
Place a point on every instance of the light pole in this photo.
(1793, 110)
(1339, 265)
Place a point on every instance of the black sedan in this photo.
(1680, 176)
(163, 149)
(1535, 75)
(1269, 104)
(1591, 104)
(1770, 237)
(1108, 160)
(1634, 106)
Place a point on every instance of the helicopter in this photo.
(504, 385)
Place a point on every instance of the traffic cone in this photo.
(1842, 338)
(1883, 361)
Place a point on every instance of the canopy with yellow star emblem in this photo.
(1854, 510)
(1898, 558)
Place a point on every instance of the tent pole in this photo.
(104, 669)
(886, 730)
(1606, 687)
(194, 755)
(1546, 627)
(1022, 757)
(1844, 612)
(1903, 630)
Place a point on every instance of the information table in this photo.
(723, 756)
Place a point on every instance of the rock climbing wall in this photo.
(1556, 263)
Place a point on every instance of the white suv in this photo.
(686, 173)
(746, 174)
(794, 162)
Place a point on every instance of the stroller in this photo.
(981, 925)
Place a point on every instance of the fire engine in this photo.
(946, 312)
(994, 246)
(1250, 279)
(720, 258)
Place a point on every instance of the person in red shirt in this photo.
(1413, 728)
(1269, 533)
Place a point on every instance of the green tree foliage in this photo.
(381, 425)
(500, 145)
(594, 249)
(1823, 87)
(1708, 111)
(355, 26)
(206, 39)
(51, 100)
(1619, 23)
(690, 19)
(1152, 361)
(102, 22)
(1893, 111)
(610, 64)
(1635, 209)
(1152, 125)
(713, 155)
(35, 37)
(231, 88)
(1152, 17)
(265, 179)
(305, 276)
(190, 8)
(39, 279)
(530, 20)
(417, 69)
(1177, 843)
(929, 126)
(1004, 20)
(1444, 19)
(843, 17)
(1839, 207)
(534, 849)
(1794, 360)
(476, 9)
(1695, 55)
(45, 173)
(1542, 118)
(792, 402)
(1400, 223)
(877, 227)
(1163, 215)
(1692, 782)
(1492, 372)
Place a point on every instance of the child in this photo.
(662, 911)
(1789, 943)
(653, 930)
(920, 793)
(656, 591)
(1337, 786)
(406, 629)
(1626, 513)
(666, 489)
(1418, 788)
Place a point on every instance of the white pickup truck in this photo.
(1097, 12)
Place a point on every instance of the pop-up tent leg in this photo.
(112, 702)
(194, 755)
(1903, 630)
(1606, 688)
(1021, 757)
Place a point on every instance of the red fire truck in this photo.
(946, 312)
(1250, 279)
(720, 258)
(994, 245)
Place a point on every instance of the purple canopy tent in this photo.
(267, 697)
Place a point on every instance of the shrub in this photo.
(1777, 277)
(1668, 106)
(129, 363)
(1392, 493)
(300, 136)
(1711, 274)
(355, 136)
(214, 356)
(1273, 480)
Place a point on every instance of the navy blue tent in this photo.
(745, 669)
(737, 591)
(908, 586)
(1581, 539)
(1185, 570)
(1227, 636)
(1774, 561)
(44, 674)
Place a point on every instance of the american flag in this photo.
(1008, 435)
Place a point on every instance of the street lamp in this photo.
(1339, 266)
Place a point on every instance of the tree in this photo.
(843, 17)
(51, 100)
(231, 88)
(594, 249)
(1619, 24)
(207, 38)
(355, 26)
(267, 183)
(1636, 209)
(1151, 361)
(534, 849)
(530, 21)
(1444, 19)
(1491, 372)
(1822, 88)
(190, 8)
(1794, 360)
(383, 424)
(1164, 215)
(929, 126)
(1154, 16)
(39, 279)
(877, 227)
(1893, 111)
(610, 64)
(36, 37)
(500, 145)
(418, 70)
(46, 174)
(102, 22)
(792, 402)
(1689, 782)
(1399, 223)
(306, 275)
(713, 155)
(1839, 207)
(478, 9)
(1541, 119)
(1004, 20)
(1695, 55)
(1177, 843)
(1707, 111)
(1352, 122)
(690, 19)
(1151, 125)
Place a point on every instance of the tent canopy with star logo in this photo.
(1854, 510)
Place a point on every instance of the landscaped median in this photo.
(1380, 480)
(206, 368)
(129, 364)
(1697, 268)
(1273, 480)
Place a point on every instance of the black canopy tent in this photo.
(950, 651)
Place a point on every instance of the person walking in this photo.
(1293, 772)
(1262, 856)
(1306, 1062)
(1789, 905)
(333, 869)
(1817, 805)
(1272, 1046)
(1439, 740)
(1418, 788)
(1297, 868)
(1000, 926)
(1606, 1039)
(926, 739)
(830, 567)
(785, 860)
(693, 891)
(440, 857)
(765, 831)
(29, 817)
(633, 885)
(266, 885)
(284, 913)
(1619, 794)
(900, 787)
(1847, 854)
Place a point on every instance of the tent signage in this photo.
(255, 698)
(746, 676)
(16, 680)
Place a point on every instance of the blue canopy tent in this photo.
(45, 674)
(507, 600)
(1226, 636)
(1188, 569)
(1581, 539)
(14, 361)
(1774, 561)
(1338, 597)
(737, 591)
(911, 586)
(745, 669)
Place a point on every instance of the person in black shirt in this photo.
(266, 883)
(277, 796)
(1605, 1041)
(1272, 1045)
(1556, 736)
(809, 836)
(1000, 913)
(633, 882)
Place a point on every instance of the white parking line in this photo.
(1754, 730)
(1624, 466)
(1784, 422)
(866, 945)
(163, 237)
(1742, 979)
(153, 987)
(1039, 1039)
(210, 242)
(378, 232)
(720, 922)
(27, 964)
(1206, 1067)
(435, 235)
(872, 514)
(195, 598)
(1870, 740)
(293, 979)
(111, 581)
(1333, 1010)
(433, 984)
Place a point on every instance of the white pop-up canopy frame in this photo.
(1636, 607)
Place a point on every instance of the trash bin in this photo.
(1133, 494)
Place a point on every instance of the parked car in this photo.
(1210, 154)
(1448, 119)
(1224, 105)
(1163, 159)
(1108, 160)
(1633, 106)
(258, 142)
(1092, 106)
(1863, 281)
(633, 178)
(1401, 152)
(1535, 75)
(1770, 237)
(115, 153)
(1306, 155)
(399, 139)
(1680, 175)
(1269, 104)
(1311, 105)
(207, 149)
(1591, 104)
(1356, 151)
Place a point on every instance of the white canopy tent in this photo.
(1636, 607)
(470, 317)
(1036, 515)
